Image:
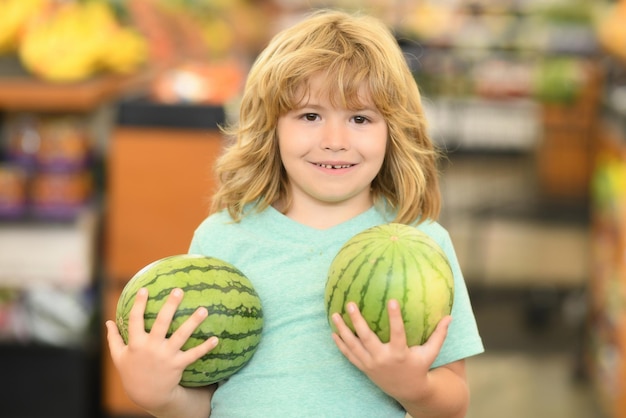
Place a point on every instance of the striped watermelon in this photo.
(392, 261)
(235, 312)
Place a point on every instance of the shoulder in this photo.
(436, 231)
(220, 228)
(218, 224)
(215, 220)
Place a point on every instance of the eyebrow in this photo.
(317, 106)
(309, 104)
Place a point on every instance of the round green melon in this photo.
(235, 311)
(392, 261)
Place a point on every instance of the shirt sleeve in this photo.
(463, 339)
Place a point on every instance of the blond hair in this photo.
(354, 51)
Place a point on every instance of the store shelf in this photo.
(23, 93)
(607, 310)
(48, 253)
(478, 124)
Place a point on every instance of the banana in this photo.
(58, 48)
(125, 51)
(78, 41)
(15, 15)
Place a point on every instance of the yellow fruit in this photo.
(218, 36)
(125, 51)
(611, 30)
(77, 41)
(57, 49)
(15, 15)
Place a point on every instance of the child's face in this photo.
(330, 154)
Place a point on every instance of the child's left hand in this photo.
(399, 370)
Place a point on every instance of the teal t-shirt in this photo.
(297, 369)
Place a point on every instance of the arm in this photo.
(404, 372)
(151, 365)
(448, 397)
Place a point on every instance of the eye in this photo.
(360, 119)
(311, 117)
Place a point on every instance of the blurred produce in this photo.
(198, 50)
(198, 29)
(193, 51)
(479, 48)
(560, 79)
(611, 29)
(72, 41)
(198, 82)
(430, 21)
(14, 17)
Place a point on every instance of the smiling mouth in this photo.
(335, 166)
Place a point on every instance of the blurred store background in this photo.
(108, 116)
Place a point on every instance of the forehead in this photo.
(323, 86)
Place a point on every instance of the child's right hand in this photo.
(151, 365)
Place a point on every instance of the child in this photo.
(331, 140)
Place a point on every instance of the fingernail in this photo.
(177, 292)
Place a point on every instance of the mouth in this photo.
(334, 166)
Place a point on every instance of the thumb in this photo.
(114, 339)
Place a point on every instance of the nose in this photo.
(335, 136)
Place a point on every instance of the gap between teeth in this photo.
(334, 166)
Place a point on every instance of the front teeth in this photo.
(334, 166)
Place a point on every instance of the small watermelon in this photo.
(235, 311)
(392, 261)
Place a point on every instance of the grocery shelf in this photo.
(48, 253)
(25, 93)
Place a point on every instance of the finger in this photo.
(341, 345)
(352, 342)
(136, 325)
(200, 350)
(345, 333)
(186, 329)
(114, 339)
(432, 347)
(164, 318)
(397, 333)
(361, 327)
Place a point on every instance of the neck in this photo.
(322, 215)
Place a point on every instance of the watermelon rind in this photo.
(391, 261)
(234, 307)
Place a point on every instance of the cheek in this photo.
(289, 149)
(290, 139)
(378, 148)
(379, 155)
